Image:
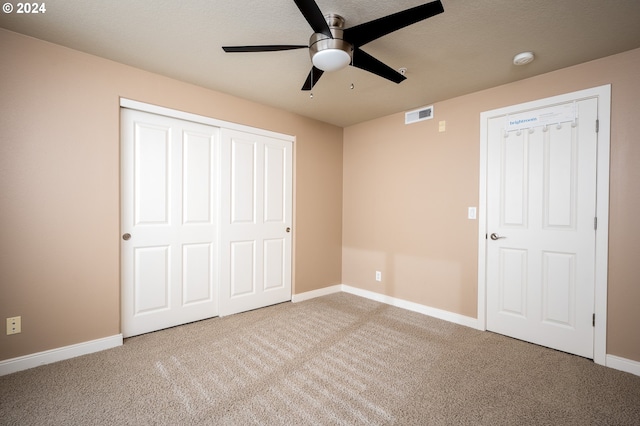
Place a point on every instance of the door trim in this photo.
(603, 93)
(181, 115)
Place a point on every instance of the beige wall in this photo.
(407, 189)
(59, 187)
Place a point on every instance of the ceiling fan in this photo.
(333, 47)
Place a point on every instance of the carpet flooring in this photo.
(335, 360)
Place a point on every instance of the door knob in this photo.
(495, 236)
(288, 229)
(126, 236)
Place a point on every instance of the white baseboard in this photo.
(415, 307)
(623, 364)
(400, 303)
(14, 365)
(316, 293)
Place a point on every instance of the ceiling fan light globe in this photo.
(331, 59)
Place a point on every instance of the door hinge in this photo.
(593, 320)
(597, 125)
(595, 223)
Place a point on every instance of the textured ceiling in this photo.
(469, 47)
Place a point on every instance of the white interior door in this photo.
(256, 221)
(169, 221)
(541, 205)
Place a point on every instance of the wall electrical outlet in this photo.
(378, 276)
(14, 325)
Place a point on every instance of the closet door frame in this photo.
(181, 115)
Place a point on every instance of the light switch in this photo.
(442, 126)
(472, 213)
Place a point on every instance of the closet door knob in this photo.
(126, 236)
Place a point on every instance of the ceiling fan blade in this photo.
(369, 31)
(363, 60)
(312, 78)
(265, 48)
(314, 16)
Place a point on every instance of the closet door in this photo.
(169, 218)
(256, 221)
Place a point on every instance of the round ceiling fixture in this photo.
(331, 59)
(523, 58)
(331, 54)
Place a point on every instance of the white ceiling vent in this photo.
(425, 113)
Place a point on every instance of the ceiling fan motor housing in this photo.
(331, 54)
